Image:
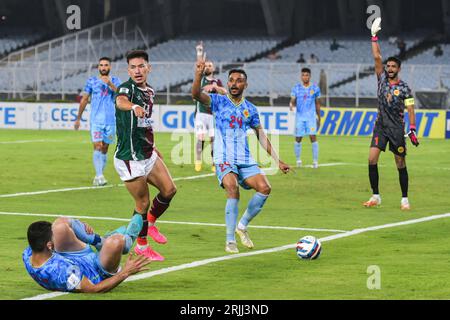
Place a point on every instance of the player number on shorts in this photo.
(224, 166)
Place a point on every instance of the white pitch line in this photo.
(26, 214)
(29, 141)
(240, 255)
(31, 193)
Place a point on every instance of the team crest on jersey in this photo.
(246, 113)
(396, 92)
(311, 92)
(401, 149)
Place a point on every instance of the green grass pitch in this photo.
(413, 259)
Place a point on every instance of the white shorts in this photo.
(131, 169)
(204, 124)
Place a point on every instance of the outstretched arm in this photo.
(197, 93)
(265, 143)
(131, 267)
(122, 103)
(376, 52)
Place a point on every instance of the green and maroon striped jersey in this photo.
(134, 135)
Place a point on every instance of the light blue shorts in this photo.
(305, 128)
(101, 132)
(89, 263)
(243, 171)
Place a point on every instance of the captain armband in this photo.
(409, 102)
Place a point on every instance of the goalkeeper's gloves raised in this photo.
(412, 135)
(376, 27)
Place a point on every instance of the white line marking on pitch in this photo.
(29, 141)
(162, 221)
(32, 193)
(239, 255)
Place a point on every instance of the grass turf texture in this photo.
(412, 258)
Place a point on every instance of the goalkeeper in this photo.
(393, 96)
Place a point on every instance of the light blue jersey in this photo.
(306, 101)
(231, 123)
(64, 271)
(103, 111)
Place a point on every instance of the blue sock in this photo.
(298, 150)
(315, 151)
(98, 163)
(254, 207)
(231, 214)
(128, 244)
(104, 158)
(80, 231)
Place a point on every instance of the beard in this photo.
(104, 72)
(393, 76)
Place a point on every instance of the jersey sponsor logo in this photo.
(144, 122)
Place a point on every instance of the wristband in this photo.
(374, 38)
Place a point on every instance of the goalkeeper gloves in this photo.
(376, 27)
(412, 135)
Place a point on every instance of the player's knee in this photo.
(298, 139)
(60, 229)
(61, 220)
(142, 205)
(114, 242)
(170, 192)
(265, 189)
(372, 161)
(232, 189)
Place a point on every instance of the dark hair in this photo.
(137, 54)
(396, 60)
(308, 70)
(39, 233)
(237, 71)
(105, 58)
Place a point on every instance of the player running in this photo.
(102, 118)
(234, 115)
(305, 98)
(204, 122)
(137, 161)
(60, 258)
(393, 96)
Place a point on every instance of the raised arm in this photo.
(197, 93)
(376, 52)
